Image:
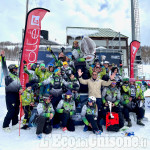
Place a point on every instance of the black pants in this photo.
(27, 112)
(116, 109)
(56, 100)
(44, 125)
(67, 121)
(93, 122)
(99, 103)
(138, 110)
(12, 104)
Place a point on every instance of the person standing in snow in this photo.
(27, 98)
(12, 89)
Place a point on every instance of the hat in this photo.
(46, 96)
(68, 92)
(51, 65)
(125, 79)
(12, 66)
(42, 65)
(65, 63)
(56, 70)
(132, 80)
(92, 98)
(28, 85)
(97, 66)
(75, 42)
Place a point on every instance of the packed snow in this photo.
(75, 140)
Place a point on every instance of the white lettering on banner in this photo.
(35, 33)
(35, 20)
(134, 49)
(29, 58)
(32, 49)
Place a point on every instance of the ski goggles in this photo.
(90, 100)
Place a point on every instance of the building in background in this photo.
(106, 40)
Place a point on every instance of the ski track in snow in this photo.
(27, 139)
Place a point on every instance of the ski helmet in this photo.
(68, 96)
(46, 96)
(92, 99)
(33, 66)
(11, 67)
(125, 79)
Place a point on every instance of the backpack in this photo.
(112, 124)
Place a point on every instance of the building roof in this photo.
(92, 32)
(47, 42)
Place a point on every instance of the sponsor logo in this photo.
(115, 57)
(134, 49)
(35, 20)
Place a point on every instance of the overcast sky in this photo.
(114, 14)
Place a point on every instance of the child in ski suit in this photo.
(89, 115)
(66, 108)
(45, 115)
(56, 83)
(66, 71)
(27, 99)
(42, 73)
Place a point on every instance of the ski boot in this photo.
(39, 136)
(139, 122)
(129, 123)
(64, 129)
(85, 128)
(7, 129)
(99, 132)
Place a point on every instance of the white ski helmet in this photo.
(92, 98)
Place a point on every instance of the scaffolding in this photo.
(135, 24)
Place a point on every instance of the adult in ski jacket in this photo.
(12, 89)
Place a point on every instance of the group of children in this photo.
(46, 106)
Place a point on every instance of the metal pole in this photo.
(132, 20)
(27, 3)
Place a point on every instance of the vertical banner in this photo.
(134, 46)
(31, 40)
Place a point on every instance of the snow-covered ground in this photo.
(73, 140)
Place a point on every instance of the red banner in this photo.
(134, 46)
(31, 40)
